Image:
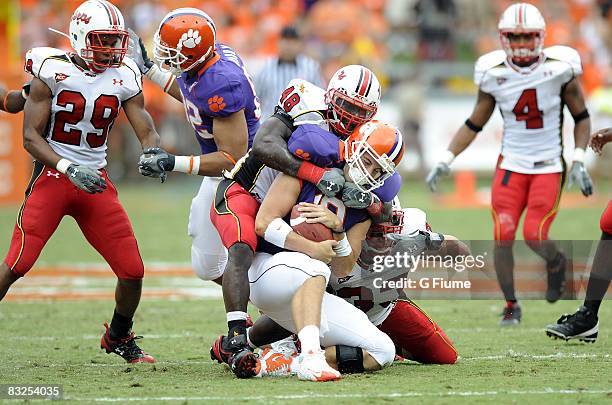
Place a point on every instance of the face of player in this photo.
(523, 46)
(371, 166)
(108, 48)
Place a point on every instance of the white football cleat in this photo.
(285, 346)
(312, 366)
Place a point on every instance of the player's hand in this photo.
(600, 138)
(138, 53)
(318, 214)
(323, 251)
(441, 169)
(352, 197)
(155, 162)
(86, 178)
(331, 182)
(415, 244)
(579, 174)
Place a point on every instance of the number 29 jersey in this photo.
(84, 104)
(531, 104)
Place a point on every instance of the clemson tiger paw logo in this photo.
(302, 154)
(190, 39)
(216, 103)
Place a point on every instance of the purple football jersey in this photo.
(322, 148)
(219, 90)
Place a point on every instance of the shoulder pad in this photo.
(311, 98)
(486, 62)
(565, 54)
(36, 57)
(132, 65)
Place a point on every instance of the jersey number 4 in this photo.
(106, 109)
(526, 109)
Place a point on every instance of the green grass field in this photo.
(57, 342)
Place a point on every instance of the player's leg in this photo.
(542, 205)
(208, 255)
(416, 336)
(584, 323)
(107, 228)
(275, 282)
(353, 344)
(508, 200)
(233, 215)
(41, 212)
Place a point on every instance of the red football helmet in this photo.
(185, 38)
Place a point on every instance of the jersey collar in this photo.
(209, 63)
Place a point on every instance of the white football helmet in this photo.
(97, 34)
(522, 18)
(353, 96)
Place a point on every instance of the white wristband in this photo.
(162, 79)
(187, 164)
(277, 231)
(62, 165)
(448, 157)
(578, 155)
(343, 248)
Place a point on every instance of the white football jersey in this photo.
(359, 287)
(84, 104)
(305, 103)
(531, 105)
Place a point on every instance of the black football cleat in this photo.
(125, 347)
(224, 347)
(556, 278)
(582, 325)
(511, 315)
(245, 363)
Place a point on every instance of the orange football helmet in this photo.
(382, 143)
(185, 38)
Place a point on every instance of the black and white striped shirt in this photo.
(274, 76)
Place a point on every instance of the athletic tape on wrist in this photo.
(448, 157)
(187, 164)
(578, 155)
(62, 165)
(163, 79)
(277, 231)
(343, 248)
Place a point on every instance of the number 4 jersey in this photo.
(530, 101)
(84, 104)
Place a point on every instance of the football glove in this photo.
(415, 244)
(86, 178)
(155, 162)
(352, 197)
(579, 174)
(441, 169)
(138, 53)
(332, 182)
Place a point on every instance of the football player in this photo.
(73, 102)
(13, 101)
(531, 85)
(584, 323)
(310, 142)
(294, 297)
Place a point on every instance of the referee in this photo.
(280, 70)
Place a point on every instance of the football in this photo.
(314, 232)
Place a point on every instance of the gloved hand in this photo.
(579, 174)
(86, 178)
(138, 53)
(441, 169)
(155, 162)
(332, 182)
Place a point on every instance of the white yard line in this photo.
(547, 391)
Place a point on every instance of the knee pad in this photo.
(349, 359)
(207, 266)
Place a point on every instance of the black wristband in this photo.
(581, 116)
(472, 126)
